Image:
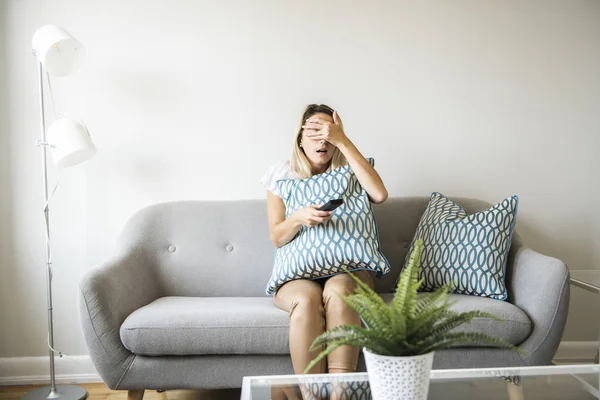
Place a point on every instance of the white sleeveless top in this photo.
(280, 170)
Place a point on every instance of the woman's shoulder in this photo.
(280, 166)
(277, 171)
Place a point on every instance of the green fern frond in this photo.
(412, 299)
(443, 320)
(398, 321)
(378, 339)
(452, 321)
(432, 299)
(406, 290)
(427, 320)
(324, 354)
(477, 338)
(375, 315)
(353, 336)
(462, 338)
(363, 289)
(333, 334)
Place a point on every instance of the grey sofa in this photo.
(182, 304)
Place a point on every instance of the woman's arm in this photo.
(365, 173)
(282, 230)
(319, 129)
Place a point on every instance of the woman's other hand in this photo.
(310, 216)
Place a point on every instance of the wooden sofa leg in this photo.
(137, 394)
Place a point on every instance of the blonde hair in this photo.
(299, 164)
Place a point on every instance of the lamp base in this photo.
(64, 392)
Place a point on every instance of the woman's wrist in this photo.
(345, 145)
(295, 220)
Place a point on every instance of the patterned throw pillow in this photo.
(349, 238)
(468, 251)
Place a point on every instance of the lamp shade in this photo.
(59, 52)
(70, 142)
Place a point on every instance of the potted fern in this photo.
(400, 338)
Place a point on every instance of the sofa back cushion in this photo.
(222, 248)
(205, 248)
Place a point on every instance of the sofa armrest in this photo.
(539, 285)
(108, 294)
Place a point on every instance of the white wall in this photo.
(9, 306)
(194, 100)
(5, 184)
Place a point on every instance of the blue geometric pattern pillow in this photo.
(468, 251)
(349, 238)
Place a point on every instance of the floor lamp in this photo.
(59, 54)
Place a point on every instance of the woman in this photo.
(320, 145)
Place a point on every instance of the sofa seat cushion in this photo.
(514, 328)
(207, 325)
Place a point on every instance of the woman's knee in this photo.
(307, 301)
(343, 285)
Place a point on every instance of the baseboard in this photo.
(36, 370)
(79, 369)
(576, 352)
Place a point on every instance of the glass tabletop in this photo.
(546, 382)
(586, 279)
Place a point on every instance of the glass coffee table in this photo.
(546, 382)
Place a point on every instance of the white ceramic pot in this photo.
(395, 378)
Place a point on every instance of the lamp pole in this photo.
(62, 391)
(44, 146)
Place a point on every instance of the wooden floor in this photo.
(99, 391)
